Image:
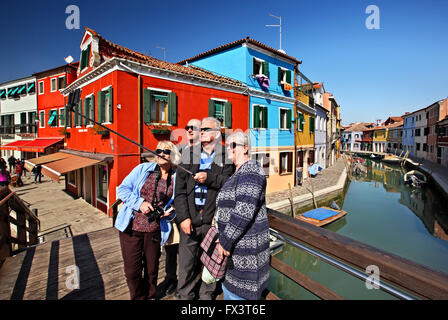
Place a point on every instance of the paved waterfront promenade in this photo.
(329, 180)
(438, 172)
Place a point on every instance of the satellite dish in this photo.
(69, 59)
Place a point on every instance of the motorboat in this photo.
(392, 159)
(415, 178)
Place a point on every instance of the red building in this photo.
(434, 113)
(442, 141)
(142, 98)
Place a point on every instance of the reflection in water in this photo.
(384, 213)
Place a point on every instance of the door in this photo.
(88, 180)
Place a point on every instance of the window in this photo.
(68, 118)
(61, 83)
(31, 87)
(427, 131)
(3, 94)
(264, 160)
(23, 122)
(53, 85)
(285, 118)
(425, 147)
(260, 67)
(41, 87)
(62, 117)
(260, 114)
(285, 162)
(300, 121)
(284, 76)
(221, 110)
(417, 148)
(158, 106)
(72, 178)
(417, 132)
(42, 119)
(103, 184)
(89, 110)
(85, 57)
(53, 118)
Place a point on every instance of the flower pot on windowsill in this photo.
(160, 131)
(64, 132)
(100, 131)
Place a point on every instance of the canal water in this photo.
(384, 213)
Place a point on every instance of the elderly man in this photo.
(195, 204)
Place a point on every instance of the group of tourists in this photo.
(17, 166)
(164, 205)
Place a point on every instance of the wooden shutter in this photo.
(265, 68)
(91, 114)
(288, 118)
(172, 108)
(311, 124)
(301, 121)
(256, 115)
(147, 106)
(254, 66)
(228, 114)
(85, 111)
(280, 74)
(264, 117)
(111, 105)
(211, 108)
(288, 76)
(101, 105)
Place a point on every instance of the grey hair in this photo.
(175, 154)
(240, 137)
(212, 119)
(195, 120)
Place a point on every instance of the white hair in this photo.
(241, 138)
(212, 119)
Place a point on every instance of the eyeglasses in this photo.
(209, 129)
(233, 145)
(165, 151)
(194, 128)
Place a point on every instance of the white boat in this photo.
(415, 178)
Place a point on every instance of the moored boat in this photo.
(321, 216)
(391, 159)
(415, 178)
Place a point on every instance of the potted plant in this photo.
(63, 131)
(160, 128)
(100, 131)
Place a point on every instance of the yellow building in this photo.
(380, 138)
(304, 128)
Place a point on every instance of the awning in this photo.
(31, 163)
(14, 145)
(39, 145)
(55, 169)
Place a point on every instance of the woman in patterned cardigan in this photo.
(241, 218)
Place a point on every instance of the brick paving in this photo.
(328, 177)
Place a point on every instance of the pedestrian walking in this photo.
(37, 171)
(195, 202)
(5, 177)
(19, 171)
(12, 163)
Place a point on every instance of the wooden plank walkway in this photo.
(43, 271)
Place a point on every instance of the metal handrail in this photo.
(342, 266)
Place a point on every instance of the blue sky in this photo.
(372, 73)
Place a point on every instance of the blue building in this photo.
(269, 76)
(408, 133)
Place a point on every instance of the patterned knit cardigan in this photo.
(242, 222)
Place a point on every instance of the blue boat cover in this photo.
(320, 214)
(314, 169)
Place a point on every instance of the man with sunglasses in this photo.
(195, 203)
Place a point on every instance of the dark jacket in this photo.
(184, 201)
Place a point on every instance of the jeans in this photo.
(36, 175)
(229, 295)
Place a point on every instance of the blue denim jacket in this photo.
(129, 192)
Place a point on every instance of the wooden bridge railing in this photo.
(412, 278)
(25, 223)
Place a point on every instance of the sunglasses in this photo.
(209, 129)
(165, 151)
(194, 128)
(233, 145)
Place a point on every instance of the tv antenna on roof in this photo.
(164, 52)
(277, 25)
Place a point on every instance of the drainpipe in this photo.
(139, 123)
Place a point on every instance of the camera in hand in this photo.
(155, 214)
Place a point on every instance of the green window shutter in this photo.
(301, 121)
(264, 117)
(75, 114)
(92, 109)
(101, 105)
(172, 108)
(311, 124)
(254, 66)
(86, 110)
(288, 76)
(66, 117)
(228, 114)
(111, 105)
(280, 75)
(288, 118)
(147, 106)
(211, 108)
(256, 123)
(265, 68)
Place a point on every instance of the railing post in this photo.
(21, 229)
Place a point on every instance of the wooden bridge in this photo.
(44, 271)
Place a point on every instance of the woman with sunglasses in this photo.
(241, 219)
(147, 193)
